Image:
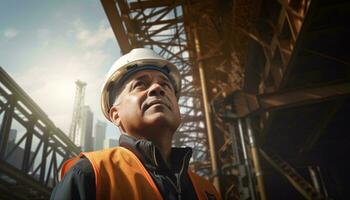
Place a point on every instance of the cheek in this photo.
(177, 109)
(177, 117)
(130, 107)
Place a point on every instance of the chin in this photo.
(157, 118)
(160, 119)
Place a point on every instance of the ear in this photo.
(114, 115)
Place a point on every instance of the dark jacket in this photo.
(79, 181)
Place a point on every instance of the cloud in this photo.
(43, 36)
(10, 33)
(61, 64)
(43, 33)
(92, 38)
(58, 58)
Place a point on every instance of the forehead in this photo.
(118, 92)
(147, 74)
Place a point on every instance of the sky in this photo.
(46, 46)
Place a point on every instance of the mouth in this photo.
(155, 102)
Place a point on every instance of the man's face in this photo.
(146, 105)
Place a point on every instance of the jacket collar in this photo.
(151, 158)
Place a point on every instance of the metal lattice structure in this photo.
(296, 91)
(277, 76)
(75, 127)
(259, 58)
(32, 148)
(160, 26)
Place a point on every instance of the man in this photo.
(140, 97)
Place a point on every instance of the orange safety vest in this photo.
(119, 174)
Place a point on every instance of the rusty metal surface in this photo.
(160, 25)
(265, 56)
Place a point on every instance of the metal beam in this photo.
(245, 104)
(22, 96)
(313, 9)
(297, 181)
(141, 26)
(152, 4)
(19, 107)
(208, 114)
(164, 21)
(323, 124)
(115, 20)
(8, 195)
(23, 178)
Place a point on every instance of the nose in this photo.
(156, 90)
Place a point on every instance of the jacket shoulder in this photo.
(200, 180)
(102, 152)
(106, 155)
(68, 164)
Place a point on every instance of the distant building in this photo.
(75, 127)
(94, 143)
(12, 135)
(109, 143)
(87, 119)
(15, 154)
(11, 140)
(100, 134)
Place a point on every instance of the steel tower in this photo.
(75, 127)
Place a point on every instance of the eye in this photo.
(139, 85)
(166, 84)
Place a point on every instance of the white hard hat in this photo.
(136, 60)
